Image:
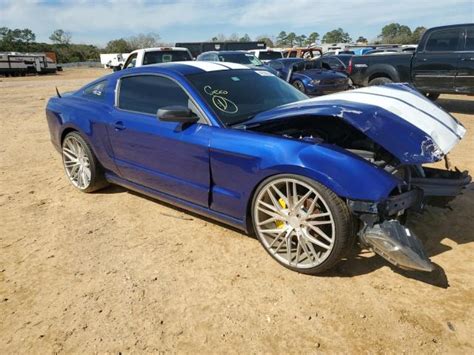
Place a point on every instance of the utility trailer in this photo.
(19, 64)
(12, 65)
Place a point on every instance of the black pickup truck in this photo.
(442, 63)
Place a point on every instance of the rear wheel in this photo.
(301, 224)
(299, 85)
(380, 81)
(81, 166)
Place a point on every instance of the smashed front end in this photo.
(394, 129)
(381, 227)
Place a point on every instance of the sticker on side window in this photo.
(263, 73)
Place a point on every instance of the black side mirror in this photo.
(179, 114)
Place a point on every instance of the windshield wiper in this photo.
(240, 123)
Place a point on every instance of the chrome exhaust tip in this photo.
(398, 245)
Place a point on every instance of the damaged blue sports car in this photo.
(308, 177)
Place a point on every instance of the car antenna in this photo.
(57, 92)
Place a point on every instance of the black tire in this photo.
(380, 81)
(344, 224)
(299, 85)
(432, 96)
(97, 179)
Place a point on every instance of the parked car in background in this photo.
(308, 177)
(361, 50)
(306, 53)
(147, 56)
(382, 51)
(239, 57)
(265, 55)
(442, 63)
(339, 51)
(309, 76)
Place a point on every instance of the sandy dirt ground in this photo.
(116, 272)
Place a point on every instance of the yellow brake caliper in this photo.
(281, 224)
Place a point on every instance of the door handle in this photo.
(119, 126)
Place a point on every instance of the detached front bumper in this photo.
(386, 236)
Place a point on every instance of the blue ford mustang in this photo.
(309, 76)
(307, 176)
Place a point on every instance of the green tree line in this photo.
(392, 33)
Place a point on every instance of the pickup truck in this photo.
(442, 63)
(147, 56)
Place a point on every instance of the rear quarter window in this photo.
(95, 91)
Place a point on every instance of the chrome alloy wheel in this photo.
(76, 163)
(294, 223)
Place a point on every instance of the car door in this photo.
(434, 67)
(164, 156)
(464, 81)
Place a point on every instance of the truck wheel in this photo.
(432, 96)
(380, 81)
(301, 224)
(82, 167)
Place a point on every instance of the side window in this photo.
(96, 91)
(148, 93)
(442, 41)
(292, 54)
(470, 39)
(131, 61)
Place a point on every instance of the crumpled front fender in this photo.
(347, 175)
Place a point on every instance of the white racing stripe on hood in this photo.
(206, 66)
(440, 126)
(421, 103)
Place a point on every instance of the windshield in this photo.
(165, 56)
(241, 58)
(238, 95)
(270, 55)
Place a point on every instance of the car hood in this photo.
(395, 116)
(322, 74)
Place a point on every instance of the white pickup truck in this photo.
(148, 56)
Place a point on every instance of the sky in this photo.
(97, 22)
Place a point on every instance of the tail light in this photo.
(349, 67)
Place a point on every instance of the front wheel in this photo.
(301, 224)
(81, 166)
(299, 85)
